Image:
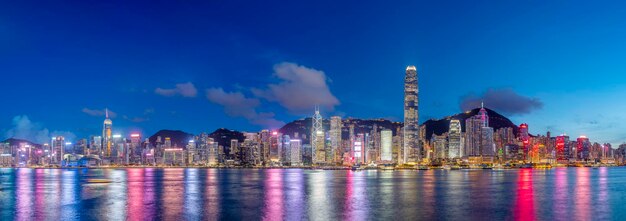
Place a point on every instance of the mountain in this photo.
(436, 126)
(440, 126)
(302, 128)
(178, 138)
(223, 136)
(17, 142)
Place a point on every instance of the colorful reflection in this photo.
(525, 198)
(212, 195)
(273, 201)
(582, 200)
(135, 194)
(242, 194)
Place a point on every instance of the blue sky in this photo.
(249, 65)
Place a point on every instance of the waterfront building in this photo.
(274, 143)
(411, 151)
(58, 147)
(335, 138)
(454, 139)
(107, 134)
(358, 155)
(583, 147)
(473, 127)
(386, 144)
(439, 144)
(295, 155)
(317, 138)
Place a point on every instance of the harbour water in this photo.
(298, 194)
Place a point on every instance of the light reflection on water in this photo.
(294, 194)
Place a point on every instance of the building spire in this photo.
(482, 104)
(106, 112)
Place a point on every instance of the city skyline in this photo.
(151, 81)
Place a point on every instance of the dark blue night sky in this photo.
(196, 66)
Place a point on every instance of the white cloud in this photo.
(183, 89)
(24, 128)
(299, 90)
(236, 104)
(99, 113)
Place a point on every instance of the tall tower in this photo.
(335, 138)
(411, 151)
(107, 134)
(317, 138)
(454, 139)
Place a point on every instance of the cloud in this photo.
(24, 128)
(183, 89)
(505, 101)
(299, 90)
(136, 119)
(99, 113)
(236, 104)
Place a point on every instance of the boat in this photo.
(423, 167)
(446, 167)
(455, 167)
(98, 181)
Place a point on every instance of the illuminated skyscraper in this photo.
(386, 142)
(454, 139)
(295, 152)
(107, 134)
(582, 148)
(411, 153)
(335, 138)
(317, 138)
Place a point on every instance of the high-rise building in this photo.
(411, 116)
(317, 138)
(386, 143)
(583, 147)
(335, 138)
(440, 146)
(473, 133)
(274, 142)
(285, 149)
(295, 152)
(358, 154)
(107, 134)
(487, 145)
(58, 146)
(454, 139)
(562, 148)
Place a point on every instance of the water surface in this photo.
(295, 194)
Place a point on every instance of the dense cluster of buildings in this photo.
(469, 141)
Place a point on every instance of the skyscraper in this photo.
(386, 143)
(411, 151)
(107, 133)
(335, 138)
(317, 138)
(454, 139)
(295, 155)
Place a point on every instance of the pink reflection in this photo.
(525, 199)
(172, 199)
(348, 201)
(212, 198)
(23, 193)
(149, 194)
(603, 196)
(40, 202)
(273, 209)
(583, 194)
(356, 205)
(560, 193)
(134, 192)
